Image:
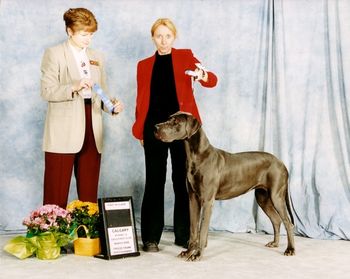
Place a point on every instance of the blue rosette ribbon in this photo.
(106, 101)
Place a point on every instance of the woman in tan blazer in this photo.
(73, 127)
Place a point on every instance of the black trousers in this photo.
(152, 211)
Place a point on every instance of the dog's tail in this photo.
(289, 206)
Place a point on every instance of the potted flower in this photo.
(48, 229)
(85, 220)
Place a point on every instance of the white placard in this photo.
(117, 205)
(118, 231)
(121, 240)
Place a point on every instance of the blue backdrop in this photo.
(283, 69)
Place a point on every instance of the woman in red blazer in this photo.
(163, 88)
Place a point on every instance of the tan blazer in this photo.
(65, 119)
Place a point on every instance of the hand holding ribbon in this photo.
(113, 106)
(200, 73)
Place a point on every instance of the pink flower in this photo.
(48, 217)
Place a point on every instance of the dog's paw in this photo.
(195, 255)
(184, 254)
(289, 252)
(272, 244)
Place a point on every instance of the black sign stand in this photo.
(118, 231)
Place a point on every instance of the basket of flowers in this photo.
(85, 221)
(48, 229)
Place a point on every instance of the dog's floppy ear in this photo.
(192, 125)
(180, 113)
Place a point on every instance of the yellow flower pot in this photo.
(87, 246)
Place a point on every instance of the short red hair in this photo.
(80, 19)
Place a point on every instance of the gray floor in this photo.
(228, 255)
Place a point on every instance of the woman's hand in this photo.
(118, 106)
(81, 84)
(201, 75)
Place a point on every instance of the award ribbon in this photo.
(193, 73)
(106, 101)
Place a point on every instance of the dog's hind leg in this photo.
(280, 203)
(264, 201)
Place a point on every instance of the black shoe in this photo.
(150, 247)
(183, 244)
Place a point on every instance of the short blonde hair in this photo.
(166, 22)
(80, 19)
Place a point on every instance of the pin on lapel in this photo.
(94, 62)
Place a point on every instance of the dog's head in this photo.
(180, 126)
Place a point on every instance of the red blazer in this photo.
(183, 60)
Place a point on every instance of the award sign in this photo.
(118, 231)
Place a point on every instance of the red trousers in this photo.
(86, 163)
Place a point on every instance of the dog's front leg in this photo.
(205, 214)
(194, 225)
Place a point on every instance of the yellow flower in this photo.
(77, 204)
(93, 209)
(73, 205)
(85, 213)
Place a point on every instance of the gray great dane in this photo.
(213, 174)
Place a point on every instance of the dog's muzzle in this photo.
(157, 132)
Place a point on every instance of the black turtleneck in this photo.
(163, 99)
